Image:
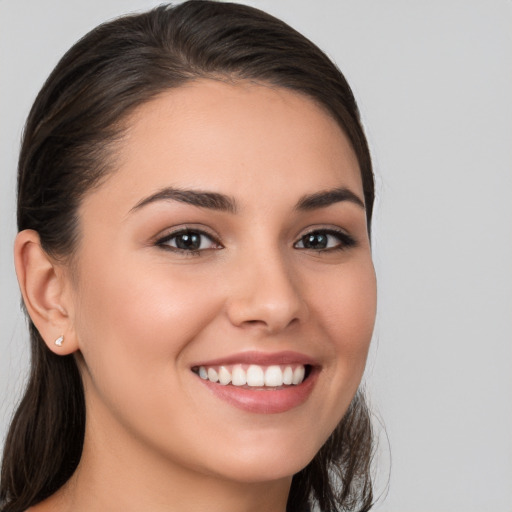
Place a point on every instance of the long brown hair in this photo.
(68, 141)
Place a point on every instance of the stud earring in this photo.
(59, 341)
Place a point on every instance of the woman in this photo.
(194, 203)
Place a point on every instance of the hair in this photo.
(67, 149)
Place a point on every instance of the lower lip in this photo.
(264, 401)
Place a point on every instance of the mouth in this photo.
(255, 376)
(258, 383)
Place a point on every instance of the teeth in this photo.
(254, 376)
(298, 375)
(224, 376)
(213, 376)
(239, 377)
(273, 376)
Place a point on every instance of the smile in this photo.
(253, 376)
(260, 383)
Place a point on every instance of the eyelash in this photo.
(163, 242)
(344, 241)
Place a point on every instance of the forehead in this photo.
(235, 138)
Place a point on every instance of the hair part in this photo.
(69, 147)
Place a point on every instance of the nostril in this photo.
(271, 325)
(262, 307)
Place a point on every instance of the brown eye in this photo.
(322, 240)
(188, 241)
(315, 241)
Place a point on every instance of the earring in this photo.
(59, 341)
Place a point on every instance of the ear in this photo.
(45, 289)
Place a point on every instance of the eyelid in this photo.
(346, 240)
(161, 239)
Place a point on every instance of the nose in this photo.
(266, 295)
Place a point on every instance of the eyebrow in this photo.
(211, 200)
(222, 202)
(327, 198)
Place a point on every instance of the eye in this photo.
(325, 240)
(188, 240)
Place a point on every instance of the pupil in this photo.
(315, 241)
(188, 241)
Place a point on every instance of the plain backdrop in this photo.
(434, 83)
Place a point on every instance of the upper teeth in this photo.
(254, 375)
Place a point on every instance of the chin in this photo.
(265, 463)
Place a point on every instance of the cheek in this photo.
(128, 299)
(342, 312)
(347, 308)
(137, 323)
(133, 328)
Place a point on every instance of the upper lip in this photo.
(261, 359)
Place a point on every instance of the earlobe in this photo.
(43, 287)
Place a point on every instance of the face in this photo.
(225, 293)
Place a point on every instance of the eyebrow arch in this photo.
(211, 200)
(327, 198)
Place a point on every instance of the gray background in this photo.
(434, 82)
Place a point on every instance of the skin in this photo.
(138, 315)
